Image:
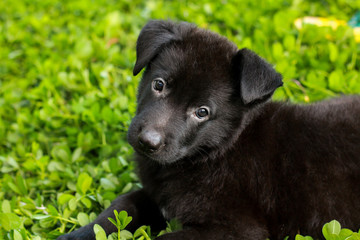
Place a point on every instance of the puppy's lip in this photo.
(156, 155)
(150, 152)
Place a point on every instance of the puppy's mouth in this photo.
(163, 155)
(149, 151)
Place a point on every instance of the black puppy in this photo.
(215, 154)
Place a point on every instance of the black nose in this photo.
(150, 140)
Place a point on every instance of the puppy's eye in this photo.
(158, 84)
(202, 112)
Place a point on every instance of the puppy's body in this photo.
(215, 154)
(280, 172)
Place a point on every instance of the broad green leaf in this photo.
(83, 183)
(126, 222)
(99, 232)
(107, 184)
(17, 235)
(300, 237)
(83, 219)
(52, 210)
(14, 187)
(107, 114)
(73, 204)
(124, 234)
(10, 221)
(331, 230)
(64, 198)
(62, 154)
(333, 51)
(124, 219)
(76, 154)
(289, 42)
(127, 187)
(345, 233)
(354, 236)
(121, 215)
(278, 51)
(336, 79)
(21, 184)
(5, 206)
(86, 202)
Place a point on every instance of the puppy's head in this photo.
(195, 90)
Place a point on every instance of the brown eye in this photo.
(158, 84)
(202, 112)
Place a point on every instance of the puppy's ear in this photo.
(258, 80)
(152, 38)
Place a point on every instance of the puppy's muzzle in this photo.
(150, 141)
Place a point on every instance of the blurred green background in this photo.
(67, 94)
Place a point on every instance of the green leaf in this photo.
(124, 234)
(278, 51)
(174, 225)
(5, 206)
(76, 154)
(62, 154)
(122, 215)
(107, 184)
(64, 198)
(113, 221)
(21, 184)
(126, 222)
(83, 219)
(289, 42)
(99, 232)
(39, 216)
(73, 204)
(52, 210)
(300, 237)
(17, 235)
(83, 183)
(14, 187)
(336, 81)
(331, 230)
(141, 231)
(86, 202)
(10, 221)
(345, 233)
(333, 51)
(354, 236)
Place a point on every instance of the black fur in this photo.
(251, 169)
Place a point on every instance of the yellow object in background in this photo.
(357, 34)
(325, 22)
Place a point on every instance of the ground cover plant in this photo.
(67, 95)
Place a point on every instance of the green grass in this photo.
(67, 94)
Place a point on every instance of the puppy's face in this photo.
(189, 100)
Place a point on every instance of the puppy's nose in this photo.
(150, 140)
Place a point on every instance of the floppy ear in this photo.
(258, 80)
(152, 38)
